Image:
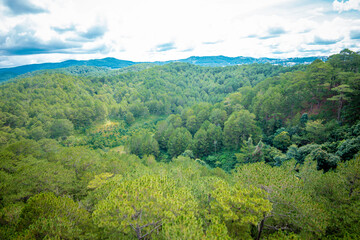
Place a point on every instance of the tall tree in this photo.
(143, 144)
(240, 126)
(341, 97)
(294, 208)
(46, 216)
(179, 141)
(237, 206)
(201, 143)
(143, 205)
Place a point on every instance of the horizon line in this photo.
(164, 61)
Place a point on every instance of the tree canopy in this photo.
(180, 151)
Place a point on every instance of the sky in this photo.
(37, 31)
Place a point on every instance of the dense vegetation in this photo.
(107, 64)
(181, 151)
(100, 64)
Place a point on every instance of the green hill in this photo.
(182, 151)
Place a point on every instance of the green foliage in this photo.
(237, 205)
(179, 141)
(215, 168)
(292, 152)
(129, 118)
(304, 151)
(9, 220)
(201, 143)
(163, 132)
(143, 205)
(46, 216)
(99, 180)
(61, 128)
(182, 227)
(348, 148)
(282, 141)
(225, 160)
(304, 119)
(346, 60)
(340, 192)
(293, 207)
(316, 131)
(143, 144)
(25, 178)
(137, 109)
(325, 161)
(341, 90)
(281, 235)
(250, 153)
(215, 138)
(175, 120)
(218, 117)
(240, 126)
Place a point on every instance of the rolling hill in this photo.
(113, 63)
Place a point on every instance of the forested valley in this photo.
(181, 151)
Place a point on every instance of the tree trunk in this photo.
(260, 228)
(339, 109)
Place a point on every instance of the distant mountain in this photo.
(92, 71)
(222, 61)
(7, 73)
(113, 63)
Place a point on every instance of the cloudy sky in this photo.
(35, 31)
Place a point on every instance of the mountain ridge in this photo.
(222, 61)
(114, 63)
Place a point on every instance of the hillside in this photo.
(222, 61)
(7, 73)
(113, 63)
(182, 151)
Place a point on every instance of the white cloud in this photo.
(347, 5)
(143, 30)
